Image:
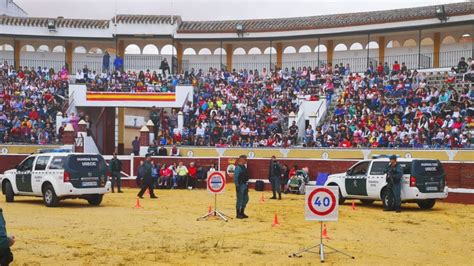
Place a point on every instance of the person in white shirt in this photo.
(80, 76)
(200, 131)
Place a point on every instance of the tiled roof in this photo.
(60, 22)
(147, 19)
(324, 21)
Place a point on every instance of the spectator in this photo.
(162, 151)
(462, 66)
(192, 176)
(166, 177)
(136, 146)
(164, 67)
(174, 151)
(106, 62)
(182, 172)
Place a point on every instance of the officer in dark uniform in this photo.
(147, 182)
(240, 179)
(394, 179)
(274, 175)
(6, 256)
(116, 169)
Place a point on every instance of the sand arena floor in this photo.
(165, 231)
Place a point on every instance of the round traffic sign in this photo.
(216, 182)
(321, 201)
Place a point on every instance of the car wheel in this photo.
(367, 202)
(9, 195)
(95, 199)
(426, 204)
(49, 196)
(387, 199)
(341, 199)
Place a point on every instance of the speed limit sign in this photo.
(321, 203)
(216, 182)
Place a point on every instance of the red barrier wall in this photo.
(458, 174)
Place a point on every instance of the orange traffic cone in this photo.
(325, 233)
(209, 210)
(147, 192)
(275, 221)
(137, 205)
(353, 205)
(262, 198)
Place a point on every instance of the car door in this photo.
(39, 173)
(23, 175)
(377, 179)
(356, 179)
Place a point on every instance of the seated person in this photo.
(182, 172)
(166, 176)
(162, 151)
(192, 176)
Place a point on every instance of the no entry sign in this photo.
(216, 182)
(321, 203)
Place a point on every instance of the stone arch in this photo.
(150, 49)
(372, 45)
(289, 50)
(270, 49)
(205, 51)
(254, 50)
(448, 40)
(304, 49)
(189, 51)
(340, 47)
(409, 43)
(80, 50)
(132, 49)
(427, 41)
(27, 48)
(355, 46)
(393, 44)
(59, 49)
(239, 51)
(96, 50)
(219, 50)
(168, 50)
(43, 48)
(6, 47)
(321, 47)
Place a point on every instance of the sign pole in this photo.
(321, 205)
(215, 185)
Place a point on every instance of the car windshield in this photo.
(86, 162)
(431, 167)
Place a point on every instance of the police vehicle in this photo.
(56, 176)
(423, 182)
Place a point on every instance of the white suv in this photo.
(57, 176)
(423, 182)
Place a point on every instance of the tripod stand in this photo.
(321, 246)
(215, 212)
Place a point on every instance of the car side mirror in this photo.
(17, 167)
(348, 172)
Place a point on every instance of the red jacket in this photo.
(192, 171)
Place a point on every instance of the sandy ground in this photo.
(165, 231)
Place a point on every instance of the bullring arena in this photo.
(328, 94)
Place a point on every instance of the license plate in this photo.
(89, 184)
(431, 188)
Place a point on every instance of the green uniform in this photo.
(6, 255)
(394, 179)
(241, 187)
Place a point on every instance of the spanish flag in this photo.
(128, 96)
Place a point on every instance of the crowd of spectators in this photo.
(29, 101)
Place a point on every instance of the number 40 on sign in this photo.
(321, 203)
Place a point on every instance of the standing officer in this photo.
(274, 175)
(240, 179)
(147, 182)
(6, 242)
(116, 169)
(394, 177)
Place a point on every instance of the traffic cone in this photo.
(262, 198)
(137, 205)
(275, 221)
(209, 210)
(353, 205)
(325, 233)
(148, 192)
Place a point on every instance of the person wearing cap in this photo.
(6, 241)
(147, 182)
(240, 179)
(274, 174)
(394, 177)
